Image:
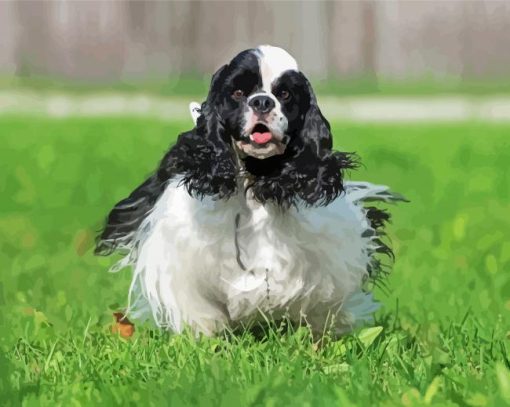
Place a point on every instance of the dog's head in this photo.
(261, 114)
(263, 100)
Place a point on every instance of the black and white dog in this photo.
(248, 214)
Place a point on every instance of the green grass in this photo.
(196, 86)
(445, 320)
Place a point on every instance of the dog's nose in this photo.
(261, 104)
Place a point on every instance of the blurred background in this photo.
(347, 47)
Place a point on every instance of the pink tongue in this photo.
(261, 138)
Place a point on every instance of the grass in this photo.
(445, 321)
(196, 86)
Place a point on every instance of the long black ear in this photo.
(204, 156)
(208, 108)
(316, 131)
(209, 124)
(316, 162)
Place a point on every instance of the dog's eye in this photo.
(238, 94)
(284, 95)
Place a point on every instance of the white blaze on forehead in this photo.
(273, 62)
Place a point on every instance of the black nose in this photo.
(261, 104)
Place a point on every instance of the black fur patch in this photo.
(127, 215)
(378, 219)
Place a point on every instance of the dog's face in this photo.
(261, 99)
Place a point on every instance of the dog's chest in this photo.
(263, 257)
(270, 265)
(250, 257)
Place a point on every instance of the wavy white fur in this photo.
(307, 263)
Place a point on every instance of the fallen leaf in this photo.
(122, 326)
(28, 311)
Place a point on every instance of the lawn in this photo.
(445, 336)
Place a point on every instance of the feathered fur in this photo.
(216, 236)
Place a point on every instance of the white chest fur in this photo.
(193, 266)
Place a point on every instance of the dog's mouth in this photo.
(260, 134)
(261, 143)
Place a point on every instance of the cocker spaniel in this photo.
(248, 214)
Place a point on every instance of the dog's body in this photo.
(248, 215)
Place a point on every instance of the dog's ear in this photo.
(203, 155)
(217, 81)
(209, 123)
(209, 106)
(318, 168)
(316, 131)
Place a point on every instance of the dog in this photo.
(248, 214)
